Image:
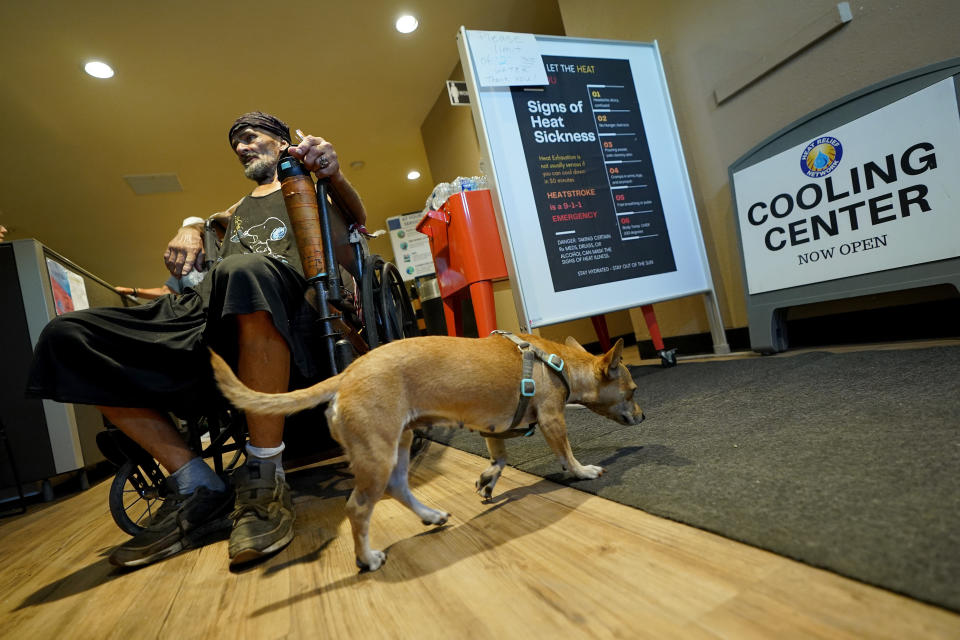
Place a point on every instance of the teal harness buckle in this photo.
(550, 361)
(532, 387)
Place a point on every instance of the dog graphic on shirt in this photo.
(257, 239)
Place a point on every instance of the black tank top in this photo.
(261, 225)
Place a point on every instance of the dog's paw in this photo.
(589, 472)
(486, 482)
(374, 560)
(484, 488)
(436, 518)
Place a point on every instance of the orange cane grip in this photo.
(301, 202)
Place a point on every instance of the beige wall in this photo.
(450, 138)
(703, 42)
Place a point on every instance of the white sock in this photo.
(268, 454)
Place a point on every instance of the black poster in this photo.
(592, 177)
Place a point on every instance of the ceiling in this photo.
(184, 71)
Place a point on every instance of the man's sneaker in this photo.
(181, 522)
(263, 516)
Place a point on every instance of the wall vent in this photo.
(143, 185)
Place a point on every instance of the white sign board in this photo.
(503, 59)
(594, 205)
(411, 249)
(876, 193)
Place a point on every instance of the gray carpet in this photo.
(847, 461)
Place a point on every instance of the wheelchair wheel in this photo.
(137, 492)
(387, 311)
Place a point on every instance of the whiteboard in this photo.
(619, 240)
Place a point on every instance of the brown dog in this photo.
(445, 381)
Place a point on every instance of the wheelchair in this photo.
(361, 302)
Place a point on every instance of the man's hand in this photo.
(318, 156)
(184, 251)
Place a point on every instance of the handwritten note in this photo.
(505, 59)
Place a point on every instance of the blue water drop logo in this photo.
(821, 157)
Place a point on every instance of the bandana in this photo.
(260, 120)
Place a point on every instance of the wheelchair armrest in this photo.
(213, 232)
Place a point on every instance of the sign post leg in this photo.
(720, 346)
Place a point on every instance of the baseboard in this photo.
(696, 343)
(921, 321)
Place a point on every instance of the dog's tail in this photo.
(243, 397)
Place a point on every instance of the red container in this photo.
(466, 252)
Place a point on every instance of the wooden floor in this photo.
(540, 561)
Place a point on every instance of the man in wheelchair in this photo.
(139, 363)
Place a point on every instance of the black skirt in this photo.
(155, 355)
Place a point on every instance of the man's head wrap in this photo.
(260, 120)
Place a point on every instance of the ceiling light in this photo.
(413, 175)
(407, 24)
(98, 69)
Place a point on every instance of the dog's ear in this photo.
(610, 361)
(572, 342)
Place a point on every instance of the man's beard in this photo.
(261, 168)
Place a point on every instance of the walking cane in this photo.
(307, 210)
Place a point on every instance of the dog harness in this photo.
(528, 386)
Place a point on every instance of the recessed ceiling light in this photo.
(98, 69)
(413, 175)
(407, 24)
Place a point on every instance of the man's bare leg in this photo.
(264, 365)
(153, 431)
